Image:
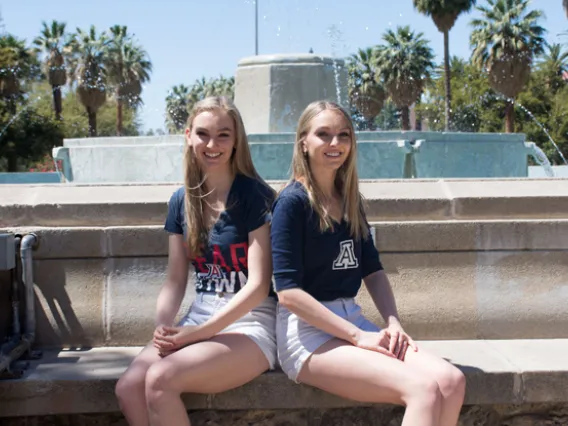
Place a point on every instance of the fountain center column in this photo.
(271, 91)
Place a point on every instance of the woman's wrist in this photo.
(393, 320)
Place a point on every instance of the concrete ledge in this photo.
(391, 237)
(498, 372)
(409, 200)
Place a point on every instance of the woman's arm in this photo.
(250, 295)
(315, 313)
(379, 288)
(287, 248)
(173, 289)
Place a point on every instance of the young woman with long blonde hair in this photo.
(322, 250)
(219, 222)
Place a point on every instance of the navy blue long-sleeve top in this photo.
(223, 266)
(327, 265)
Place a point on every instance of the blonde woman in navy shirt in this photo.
(218, 221)
(322, 250)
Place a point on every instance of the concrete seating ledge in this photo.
(82, 380)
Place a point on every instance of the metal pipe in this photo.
(19, 345)
(16, 328)
(29, 241)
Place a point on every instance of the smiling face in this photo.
(212, 137)
(328, 141)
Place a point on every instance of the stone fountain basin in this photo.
(381, 155)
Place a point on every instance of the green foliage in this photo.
(27, 136)
(75, 122)
(506, 28)
(477, 108)
(443, 7)
(182, 98)
(389, 117)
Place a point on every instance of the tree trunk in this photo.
(510, 117)
(57, 101)
(12, 163)
(119, 118)
(447, 77)
(92, 122)
(405, 114)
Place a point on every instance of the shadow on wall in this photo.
(57, 324)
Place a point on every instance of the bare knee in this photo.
(451, 382)
(424, 391)
(158, 383)
(129, 388)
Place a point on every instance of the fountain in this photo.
(271, 91)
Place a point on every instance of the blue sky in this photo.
(193, 38)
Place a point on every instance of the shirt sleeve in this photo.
(287, 237)
(370, 255)
(258, 212)
(174, 220)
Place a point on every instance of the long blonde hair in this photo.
(346, 178)
(241, 162)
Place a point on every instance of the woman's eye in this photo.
(321, 134)
(201, 134)
(224, 135)
(344, 135)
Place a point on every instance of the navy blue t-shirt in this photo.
(328, 265)
(223, 264)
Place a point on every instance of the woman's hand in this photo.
(375, 341)
(170, 339)
(399, 341)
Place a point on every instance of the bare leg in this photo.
(362, 375)
(130, 389)
(450, 379)
(225, 362)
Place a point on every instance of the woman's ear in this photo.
(188, 135)
(303, 146)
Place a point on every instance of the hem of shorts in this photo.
(269, 357)
(304, 358)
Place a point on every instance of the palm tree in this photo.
(52, 43)
(128, 67)
(505, 41)
(177, 110)
(366, 91)
(17, 63)
(404, 63)
(565, 4)
(223, 86)
(89, 72)
(444, 13)
(554, 63)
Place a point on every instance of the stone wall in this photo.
(528, 415)
(467, 259)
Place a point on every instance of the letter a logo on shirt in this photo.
(346, 258)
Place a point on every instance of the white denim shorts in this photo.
(259, 324)
(297, 340)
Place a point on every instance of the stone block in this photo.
(70, 303)
(452, 235)
(137, 241)
(71, 382)
(521, 294)
(468, 295)
(271, 91)
(537, 361)
(133, 285)
(498, 198)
